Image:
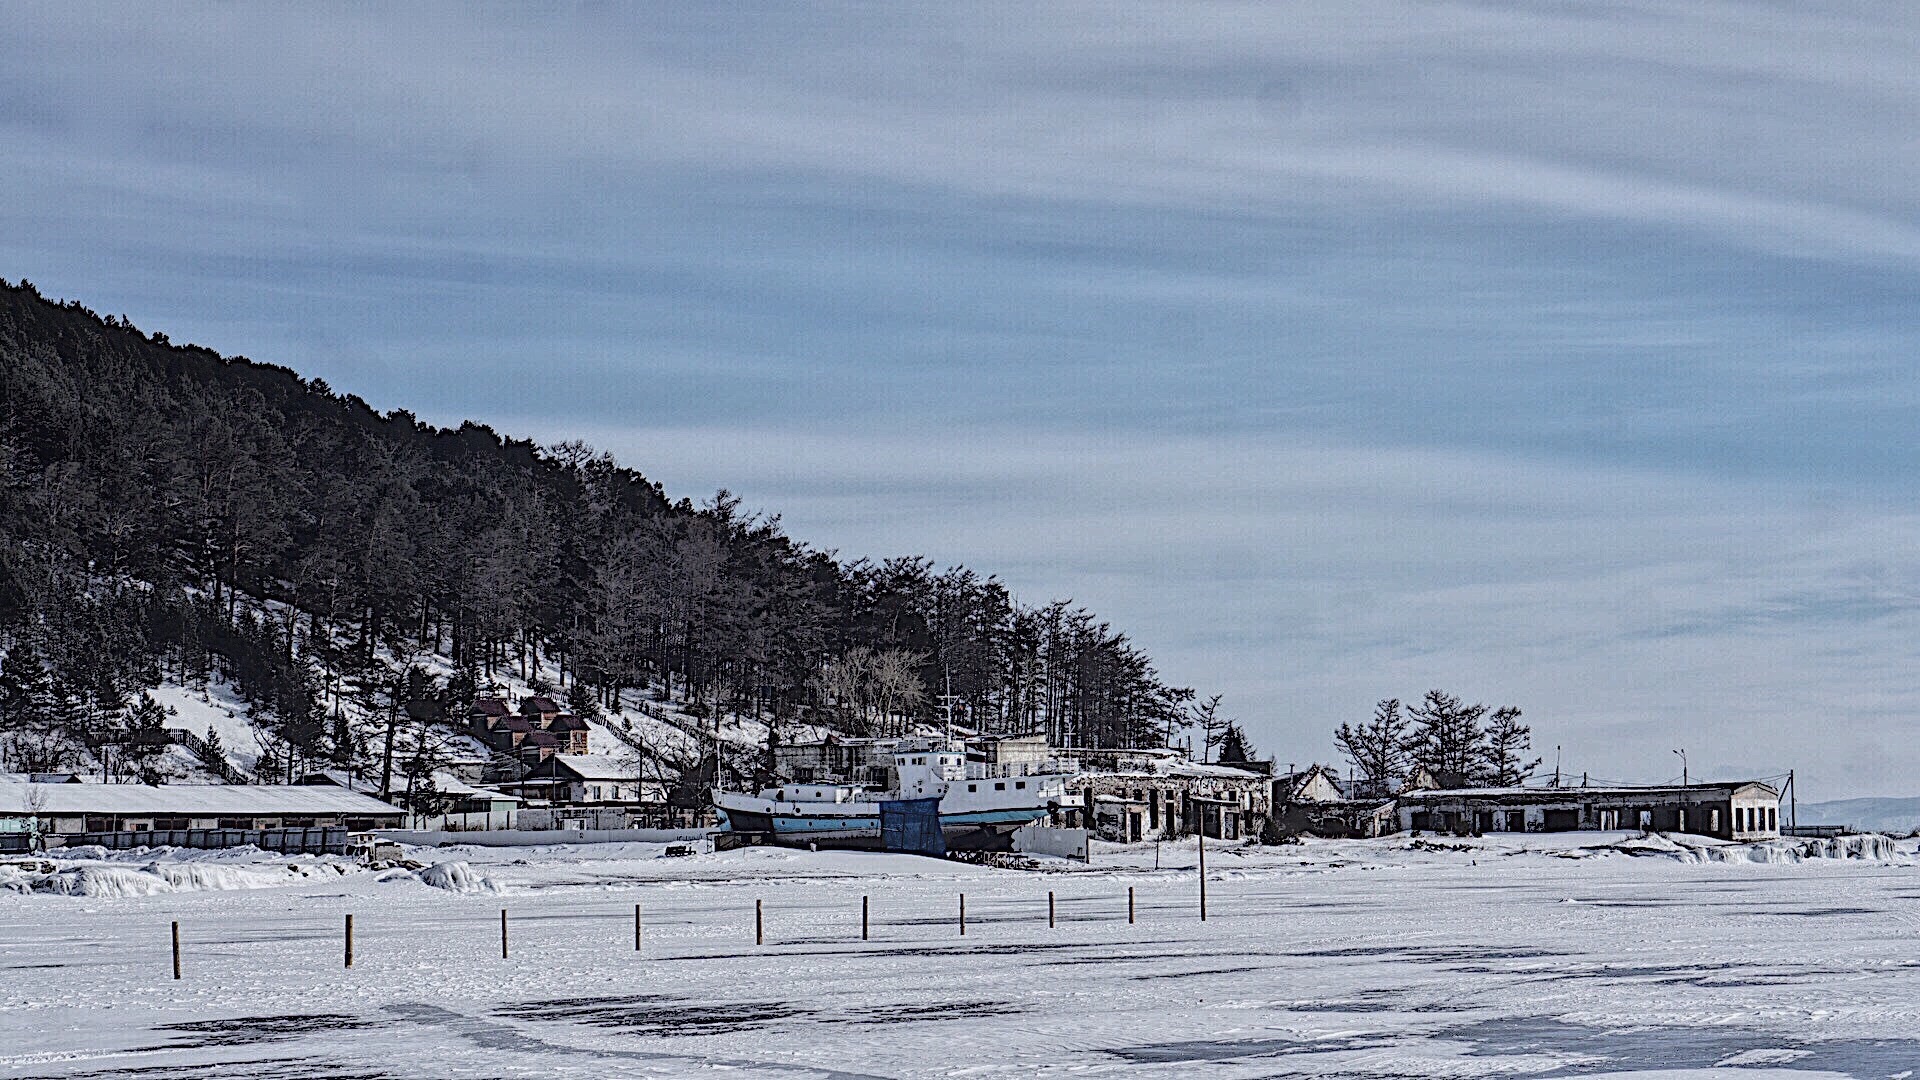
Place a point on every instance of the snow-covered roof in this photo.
(452, 785)
(597, 766)
(1196, 768)
(208, 800)
(1577, 792)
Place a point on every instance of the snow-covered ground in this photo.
(1577, 955)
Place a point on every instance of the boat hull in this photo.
(972, 830)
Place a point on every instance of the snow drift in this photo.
(457, 877)
(149, 880)
(1872, 847)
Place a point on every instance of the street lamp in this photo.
(1683, 767)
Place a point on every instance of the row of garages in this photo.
(1745, 810)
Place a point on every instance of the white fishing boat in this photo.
(979, 806)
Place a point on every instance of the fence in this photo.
(321, 840)
(215, 761)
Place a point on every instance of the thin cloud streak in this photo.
(1600, 599)
(1556, 355)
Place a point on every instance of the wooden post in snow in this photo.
(1129, 905)
(963, 914)
(863, 918)
(636, 928)
(1049, 909)
(176, 948)
(1203, 876)
(349, 939)
(503, 933)
(759, 925)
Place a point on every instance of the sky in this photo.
(1556, 355)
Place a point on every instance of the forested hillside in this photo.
(169, 515)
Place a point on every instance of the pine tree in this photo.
(1507, 742)
(1378, 748)
(1448, 739)
(582, 702)
(26, 701)
(1233, 746)
(1205, 715)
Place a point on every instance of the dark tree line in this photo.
(1461, 745)
(166, 512)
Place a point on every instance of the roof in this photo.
(206, 800)
(1222, 772)
(595, 766)
(539, 738)
(453, 785)
(539, 703)
(1575, 792)
(567, 722)
(514, 723)
(491, 706)
(1293, 782)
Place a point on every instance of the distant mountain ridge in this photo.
(1894, 815)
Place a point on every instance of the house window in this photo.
(1000, 786)
(1021, 784)
(1773, 817)
(973, 787)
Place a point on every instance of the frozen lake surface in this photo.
(1507, 956)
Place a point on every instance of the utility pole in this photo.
(1556, 765)
(1793, 819)
(1683, 767)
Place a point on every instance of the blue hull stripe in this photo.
(792, 825)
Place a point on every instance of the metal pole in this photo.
(503, 933)
(176, 949)
(349, 939)
(1203, 876)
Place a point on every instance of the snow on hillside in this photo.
(640, 720)
(217, 707)
(640, 723)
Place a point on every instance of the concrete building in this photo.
(1737, 810)
(68, 810)
(1028, 750)
(1166, 796)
